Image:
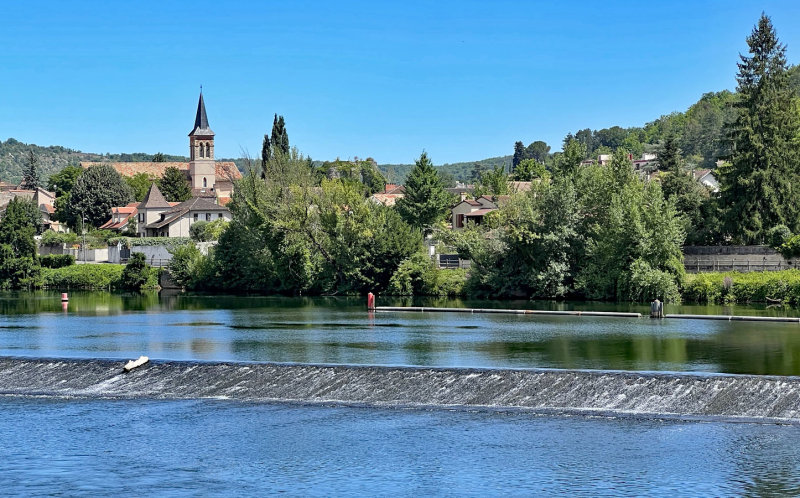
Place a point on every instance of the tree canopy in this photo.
(96, 191)
(174, 185)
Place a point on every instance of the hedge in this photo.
(732, 287)
(56, 260)
(91, 277)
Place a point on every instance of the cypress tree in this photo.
(30, 172)
(757, 187)
(519, 154)
(425, 201)
(266, 152)
(280, 138)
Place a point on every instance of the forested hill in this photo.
(53, 158)
(464, 172)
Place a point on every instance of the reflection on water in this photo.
(339, 330)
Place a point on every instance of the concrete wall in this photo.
(734, 258)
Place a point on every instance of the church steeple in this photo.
(202, 169)
(201, 120)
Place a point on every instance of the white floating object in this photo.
(135, 363)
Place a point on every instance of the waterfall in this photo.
(735, 397)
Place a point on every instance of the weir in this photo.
(639, 394)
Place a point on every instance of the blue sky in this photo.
(462, 80)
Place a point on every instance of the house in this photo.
(121, 217)
(389, 195)
(158, 218)
(206, 176)
(647, 162)
(706, 177)
(473, 210)
(44, 199)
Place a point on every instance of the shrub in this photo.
(89, 277)
(778, 286)
(56, 260)
(51, 238)
(197, 231)
(148, 241)
(136, 273)
(417, 276)
(791, 248)
(778, 235)
(205, 231)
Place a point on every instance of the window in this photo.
(205, 183)
(219, 216)
(208, 150)
(208, 216)
(195, 216)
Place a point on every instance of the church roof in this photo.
(201, 121)
(154, 199)
(224, 169)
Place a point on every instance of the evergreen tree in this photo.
(30, 172)
(426, 201)
(519, 154)
(159, 157)
(266, 153)
(758, 187)
(174, 185)
(280, 138)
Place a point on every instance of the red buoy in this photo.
(370, 301)
(64, 297)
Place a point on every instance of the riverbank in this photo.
(775, 287)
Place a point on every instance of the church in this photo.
(211, 183)
(208, 178)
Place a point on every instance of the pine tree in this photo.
(757, 187)
(425, 201)
(30, 172)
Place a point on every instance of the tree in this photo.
(18, 225)
(538, 151)
(279, 138)
(425, 201)
(62, 182)
(529, 169)
(18, 262)
(136, 272)
(174, 185)
(30, 172)
(567, 164)
(758, 187)
(266, 153)
(96, 191)
(519, 154)
(139, 184)
(493, 182)
(159, 157)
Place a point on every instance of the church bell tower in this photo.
(202, 168)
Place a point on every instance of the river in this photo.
(83, 445)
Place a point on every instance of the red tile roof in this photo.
(224, 169)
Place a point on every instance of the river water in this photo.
(62, 445)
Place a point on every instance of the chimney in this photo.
(463, 196)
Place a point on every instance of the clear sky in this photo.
(463, 80)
